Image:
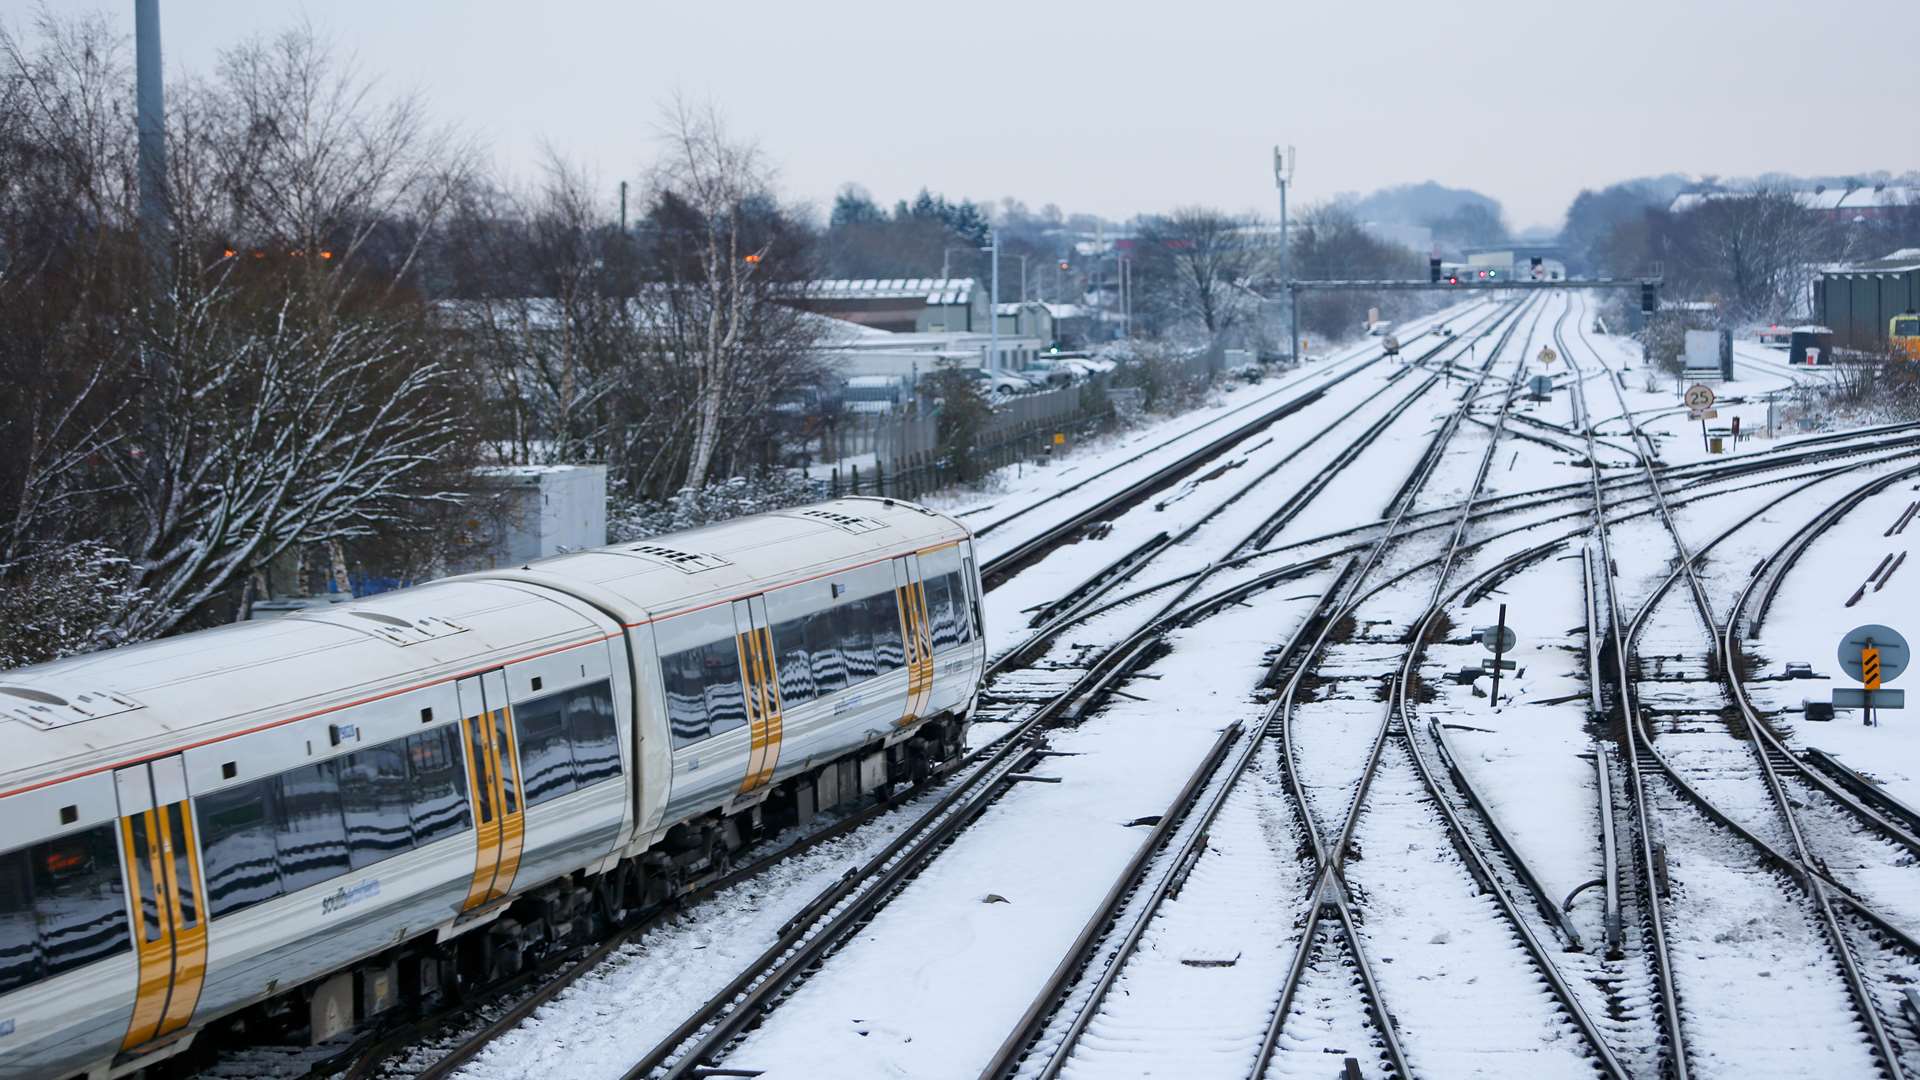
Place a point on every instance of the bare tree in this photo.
(1330, 243)
(260, 395)
(724, 258)
(294, 150)
(1195, 266)
(547, 302)
(714, 178)
(66, 196)
(1753, 249)
(273, 432)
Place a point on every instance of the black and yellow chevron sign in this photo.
(1870, 667)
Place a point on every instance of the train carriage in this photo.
(310, 820)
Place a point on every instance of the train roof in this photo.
(654, 579)
(118, 706)
(114, 707)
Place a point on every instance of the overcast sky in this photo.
(1124, 106)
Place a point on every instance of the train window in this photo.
(376, 802)
(546, 760)
(889, 647)
(78, 899)
(726, 701)
(143, 885)
(686, 697)
(237, 847)
(19, 937)
(794, 661)
(940, 610)
(855, 631)
(309, 825)
(312, 835)
(183, 872)
(438, 784)
(966, 601)
(503, 749)
(595, 732)
(823, 645)
(476, 739)
(62, 906)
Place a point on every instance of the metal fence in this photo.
(906, 454)
(906, 450)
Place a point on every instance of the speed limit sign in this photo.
(1699, 397)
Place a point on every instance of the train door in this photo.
(157, 847)
(910, 591)
(764, 708)
(486, 727)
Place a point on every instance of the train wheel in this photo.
(618, 894)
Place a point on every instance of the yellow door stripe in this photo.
(910, 628)
(771, 701)
(155, 951)
(485, 792)
(513, 825)
(189, 919)
(756, 725)
(926, 645)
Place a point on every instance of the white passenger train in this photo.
(307, 821)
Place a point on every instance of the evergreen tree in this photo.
(855, 206)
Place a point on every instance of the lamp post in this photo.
(993, 308)
(1282, 176)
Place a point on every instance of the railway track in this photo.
(1179, 827)
(1313, 387)
(707, 1037)
(1396, 795)
(1109, 942)
(998, 755)
(1682, 838)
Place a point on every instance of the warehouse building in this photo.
(1859, 300)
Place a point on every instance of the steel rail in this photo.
(1367, 361)
(1480, 867)
(1639, 803)
(1006, 564)
(1032, 1024)
(1797, 869)
(726, 1015)
(1329, 895)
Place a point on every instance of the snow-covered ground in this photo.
(940, 976)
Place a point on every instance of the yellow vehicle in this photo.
(1903, 336)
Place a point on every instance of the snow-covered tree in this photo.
(271, 381)
(723, 251)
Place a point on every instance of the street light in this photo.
(993, 307)
(1282, 176)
